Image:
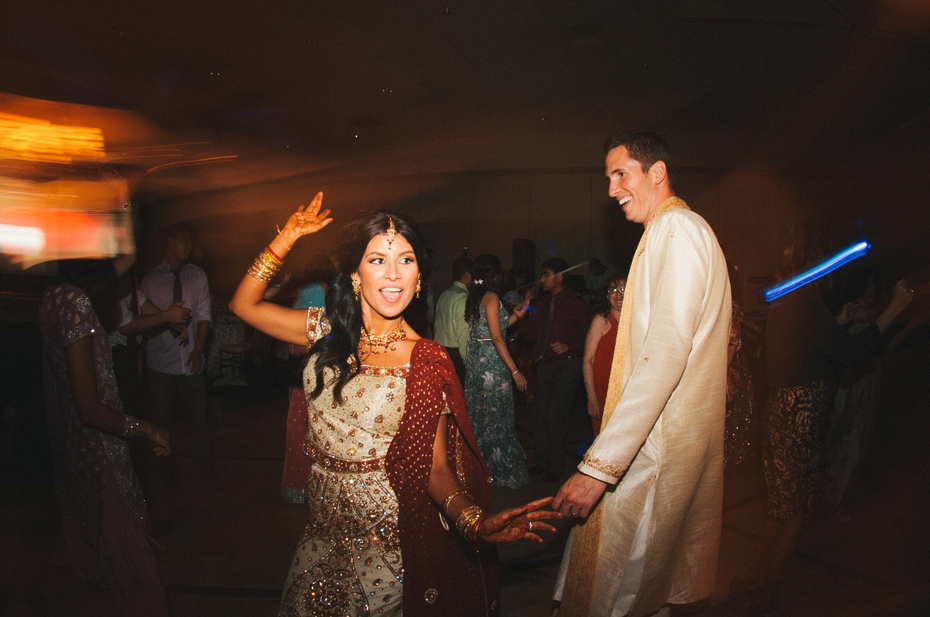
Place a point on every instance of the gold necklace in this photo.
(376, 343)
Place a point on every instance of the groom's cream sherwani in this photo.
(661, 449)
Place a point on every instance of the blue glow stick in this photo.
(832, 263)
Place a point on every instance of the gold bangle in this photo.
(274, 256)
(465, 523)
(472, 532)
(465, 518)
(448, 500)
(264, 267)
(261, 272)
(269, 259)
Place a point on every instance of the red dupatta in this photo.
(443, 574)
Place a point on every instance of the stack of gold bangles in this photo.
(468, 521)
(266, 265)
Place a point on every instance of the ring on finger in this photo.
(531, 525)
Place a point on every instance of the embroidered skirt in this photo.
(794, 449)
(348, 562)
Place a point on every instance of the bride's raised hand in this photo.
(306, 220)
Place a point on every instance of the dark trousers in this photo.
(458, 362)
(168, 392)
(556, 385)
(132, 394)
(129, 381)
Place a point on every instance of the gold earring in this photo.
(418, 285)
(357, 288)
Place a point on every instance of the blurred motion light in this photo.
(21, 240)
(32, 139)
(832, 263)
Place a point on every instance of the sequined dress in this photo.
(348, 561)
(366, 451)
(104, 518)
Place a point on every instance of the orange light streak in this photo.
(211, 159)
(32, 139)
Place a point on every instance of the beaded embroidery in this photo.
(349, 560)
(603, 466)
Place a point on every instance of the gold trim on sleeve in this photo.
(603, 466)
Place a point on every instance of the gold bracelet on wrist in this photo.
(261, 271)
(471, 533)
(270, 258)
(274, 256)
(265, 266)
(467, 522)
(466, 517)
(448, 501)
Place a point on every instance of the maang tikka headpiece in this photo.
(391, 232)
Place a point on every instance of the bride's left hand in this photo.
(522, 522)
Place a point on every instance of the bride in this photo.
(399, 497)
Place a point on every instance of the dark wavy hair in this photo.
(339, 349)
(96, 278)
(487, 270)
(602, 302)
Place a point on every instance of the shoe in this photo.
(550, 477)
(536, 470)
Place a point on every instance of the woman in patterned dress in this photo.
(104, 517)
(395, 462)
(489, 368)
(805, 346)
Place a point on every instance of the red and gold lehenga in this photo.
(375, 543)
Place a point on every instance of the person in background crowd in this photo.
(557, 324)
(176, 354)
(597, 276)
(105, 520)
(489, 369)
(451, 327)
(297, 461)
(599, 350)
(805, 346)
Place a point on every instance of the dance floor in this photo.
(226, 536)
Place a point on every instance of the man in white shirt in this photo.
(175, 354)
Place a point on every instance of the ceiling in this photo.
(340, 81)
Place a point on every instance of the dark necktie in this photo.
(539, 350)
(176, 297)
